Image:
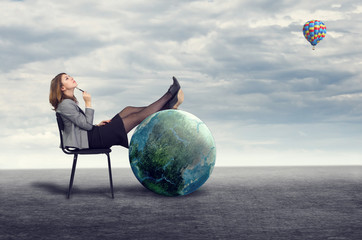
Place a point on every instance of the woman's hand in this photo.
(87, 99)
(104, 122)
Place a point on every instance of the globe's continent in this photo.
(172, 153)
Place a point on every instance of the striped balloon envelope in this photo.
(314, 31)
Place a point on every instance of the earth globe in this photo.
(172, 153)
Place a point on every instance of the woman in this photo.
(79, 131)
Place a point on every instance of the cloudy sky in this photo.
(244, 65)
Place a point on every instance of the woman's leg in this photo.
(134, 117)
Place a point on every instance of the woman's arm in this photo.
(88, 104)
(87, 99)
(70, 110)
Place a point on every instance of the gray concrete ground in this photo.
(235, 203)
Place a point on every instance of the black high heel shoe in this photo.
(177, 95)
(176, 100)
(174, 88)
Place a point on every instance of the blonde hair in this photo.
(56, 95)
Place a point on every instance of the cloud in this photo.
(24, 45)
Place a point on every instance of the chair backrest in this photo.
(61, 129)
(60, 121)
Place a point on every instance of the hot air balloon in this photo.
(314, 31)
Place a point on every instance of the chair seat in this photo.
(90, 151)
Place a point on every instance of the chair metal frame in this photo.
(77, 152)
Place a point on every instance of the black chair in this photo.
(76, 152)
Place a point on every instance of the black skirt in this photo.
(108, 135)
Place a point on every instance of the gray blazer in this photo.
(76, 123)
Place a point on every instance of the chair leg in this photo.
(72, 175)
(110, 173)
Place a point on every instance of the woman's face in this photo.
(68, 82)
